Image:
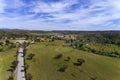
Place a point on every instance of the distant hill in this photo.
(4, 29)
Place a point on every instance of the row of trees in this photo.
(82, 46)
(104, 37)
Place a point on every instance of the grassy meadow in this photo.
(6, 57)
(44, 67)
(104, 47)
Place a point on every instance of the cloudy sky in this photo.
(60, 14)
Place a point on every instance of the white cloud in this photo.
(109, 10)
(53, 7)
(115, 4)
(2, 6)
(98, 13)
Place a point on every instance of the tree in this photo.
(1, 49)
(12, 45)
(58, 56)
(93, 78)
(7, 42)
(1, 43)
(30, 56)
(11, 78)
(79, 62)
(63, 68)
(14, 65)
(28, 76)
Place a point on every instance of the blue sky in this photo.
(60, 14)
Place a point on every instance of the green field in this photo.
(104, 47)
(44, 67)
(6, 57)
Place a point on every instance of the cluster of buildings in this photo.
(62, 36)
(50, 38)
(55, 37)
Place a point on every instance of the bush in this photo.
(1, 43)
(58, 56)
(67, 59)
(11, 78)
(7, 42)
(30, 56)
(63, 68)
(12, 45)
(14, 65)
(93, 78)
(79, 62)
(1, 49)
(26, 66)
(28, 76)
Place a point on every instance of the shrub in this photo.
(58, 56)
(93, 78)
(28, 76)
(67, 59)
(14, 65)
(26, 66)
(30, 56)
(1, 43)
(7, 42)
(11, 78)
(1, 49)
(63, 68)
(79, 62)
(12, 45)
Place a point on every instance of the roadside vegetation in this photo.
(6, 59)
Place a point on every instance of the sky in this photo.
(60, 14)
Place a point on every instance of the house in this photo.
(33, 42)
(20, 40)
(61, 36)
